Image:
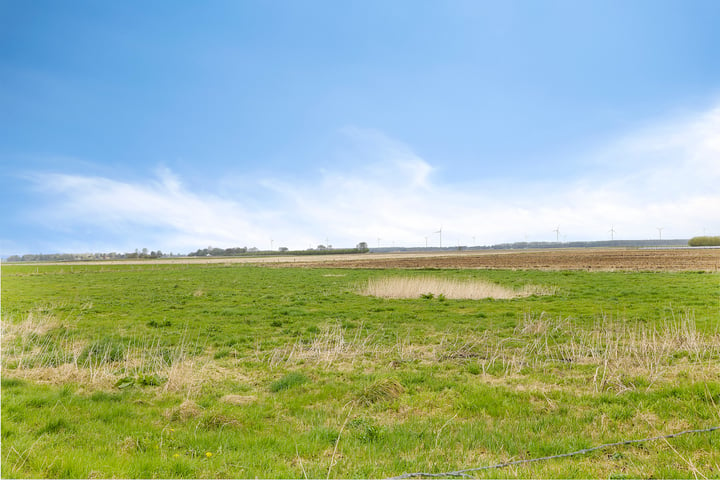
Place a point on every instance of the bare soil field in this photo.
(566, 259)
(609, 259)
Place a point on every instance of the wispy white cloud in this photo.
(160, 210)
(666, 176)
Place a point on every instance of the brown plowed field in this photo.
(566, 259)
(686, 259)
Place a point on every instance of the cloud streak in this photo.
(161, 210)
(665, 176)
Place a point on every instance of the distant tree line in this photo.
(75, 257)
(218, 252)
(704, 241)
(245, 251)
(144, 254)
(202, 252)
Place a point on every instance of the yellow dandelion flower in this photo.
(177, 455)
(208, 454)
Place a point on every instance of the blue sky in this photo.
(177, 125)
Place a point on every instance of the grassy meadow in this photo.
(181, 371)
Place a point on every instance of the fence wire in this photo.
(464, 472)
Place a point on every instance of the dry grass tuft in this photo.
(38, 322)
(67, 373)
(542, 324)
(183, 376)
(129, 445)
(238, 399)
(381, 390)
(415, 287)
(185, 411)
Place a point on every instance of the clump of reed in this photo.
(443, 288)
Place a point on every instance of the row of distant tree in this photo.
(69, 257)
(221, 252)
(239, 251)
(203, 252)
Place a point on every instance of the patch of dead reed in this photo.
(625, 356)
(416, 287)
(329, 347)
(37, 322)
(32, 350)
(615, 340)
(66, 373)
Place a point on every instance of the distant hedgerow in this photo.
(704, 242)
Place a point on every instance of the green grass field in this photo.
(242, 371)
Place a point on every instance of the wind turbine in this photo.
(440, 232)
(612, 232)
(660, 229)
(557, 234)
